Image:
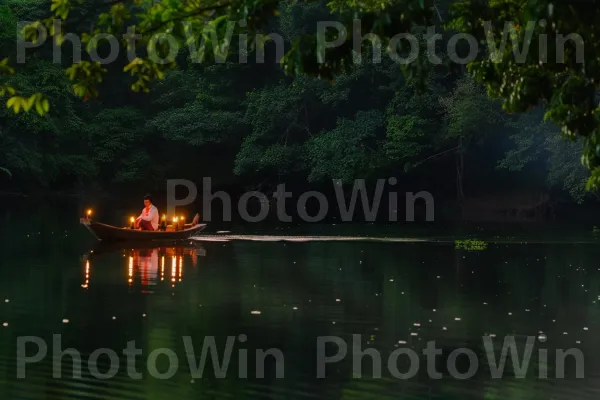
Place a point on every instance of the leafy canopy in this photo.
(557, 65)
(563, 76)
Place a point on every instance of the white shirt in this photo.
(151, 216)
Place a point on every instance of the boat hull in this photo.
(109, 233)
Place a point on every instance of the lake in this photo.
(288, 311)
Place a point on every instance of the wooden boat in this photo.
(113, 233)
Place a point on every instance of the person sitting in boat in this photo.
(148, 219)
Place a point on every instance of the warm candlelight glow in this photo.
(173, 268)
(87, 275)
(132, 219)
(164, 217)
(130, 270)
(180, 267)
(89, 212)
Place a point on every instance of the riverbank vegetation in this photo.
(251, 126)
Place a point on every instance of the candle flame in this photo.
(89, 212)
(132, 219)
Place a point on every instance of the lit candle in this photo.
(89, 213)
(163, 223)
(182, 223)
(175, 224)
(132, 221)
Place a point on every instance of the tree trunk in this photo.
(460, 168)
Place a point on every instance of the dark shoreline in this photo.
(40, 195)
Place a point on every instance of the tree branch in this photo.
(438, 154)
(195, 13)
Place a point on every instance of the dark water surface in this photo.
(282, 295)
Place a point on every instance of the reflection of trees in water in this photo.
(519, 279)
(384, 289)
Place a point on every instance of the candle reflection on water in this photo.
(130, 270)
(148, 267)
(87, 275)
(173, 268)
(145, 263)
(180, 268)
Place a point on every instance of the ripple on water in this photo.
(388, 293)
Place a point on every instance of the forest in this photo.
(251, 126)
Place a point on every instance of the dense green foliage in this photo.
(553, 60)
(252, 126)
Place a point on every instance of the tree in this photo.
(370, 119)
(536, 141)
(9, 16)
(568, 86)
(207, 28)
(557, 66)
(351, 150)
(469, 116)
(414, 123)
(116, 136)
(564, 169)
(35, 148)
(201, 107)
(280, 117)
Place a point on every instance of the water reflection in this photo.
(86, 284)
(285, 295)
(145, 266)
